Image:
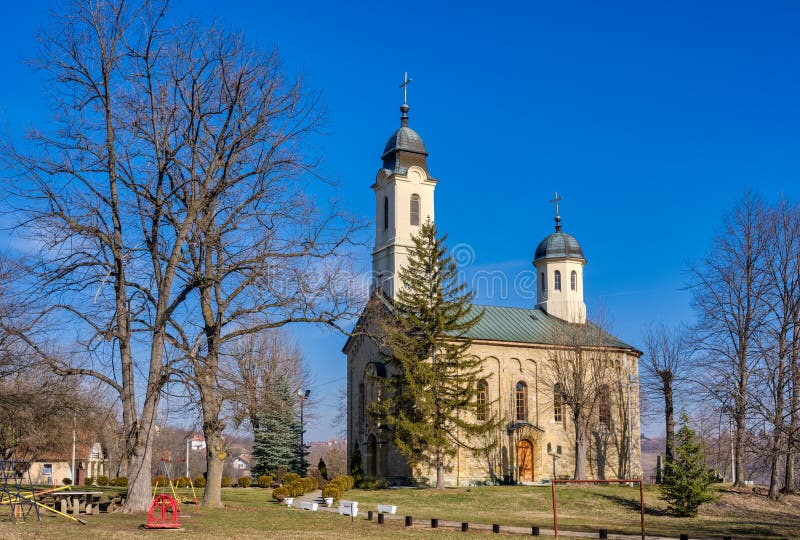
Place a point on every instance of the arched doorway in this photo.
(525, 460)
(372, 456)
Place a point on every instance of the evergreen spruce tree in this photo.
(323, 469)
(299, 464)
(356, 467)
(686, 480)
(275, 442)
(430, 400)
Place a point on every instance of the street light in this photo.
(302, 396)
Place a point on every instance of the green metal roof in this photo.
(522, 325)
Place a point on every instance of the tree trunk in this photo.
(139, 465)
(215, 459)
(439, 473)
(669, 416)
(789, 481)
(580, 449)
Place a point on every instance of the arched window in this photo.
(573, 280)
(415, 209)
(480, 398)
(558, 403)
(604, 406)
(557, 280)
(522, 401)
(385, 213)
(543, 279)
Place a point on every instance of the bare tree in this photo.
(666, 367)
(582, 370)
(728, 293)
(261, 252)
(776, 343)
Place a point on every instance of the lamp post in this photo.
(302, 396)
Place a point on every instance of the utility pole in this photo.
(188, 443)
(74, 439)
(303, 396)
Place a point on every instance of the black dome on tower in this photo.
(404, 148)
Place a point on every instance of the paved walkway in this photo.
(425, 523)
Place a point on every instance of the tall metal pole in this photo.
(188, 442)
(74, 439)
(630, 433)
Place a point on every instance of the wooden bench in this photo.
(305, 505)
(348, 508)
(387, 509)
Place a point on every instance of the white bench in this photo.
(288, 501)
(305, 505)
(387, 509)
(348, 508)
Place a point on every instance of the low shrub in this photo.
(264, 481)
(102, 480)
(315, 473)
(373, 482)
(66, 481)
(288, 478)
(200, 482)
(310, 483)
(181, 482)
(244, 482)
(280, 493)
(225, 482)
(295, 488)
(159, 480)
(121, 481)
(331, 490)
(88, 481)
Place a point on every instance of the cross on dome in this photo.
(556, 200)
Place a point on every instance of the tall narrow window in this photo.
(362, 406)
(558, 403)
(604, 406)
(573, 280)
(557, 280)
(385, 213)
(415, 210)
(480, 398)
(522, 401)
(543, 279)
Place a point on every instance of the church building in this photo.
(521, 349)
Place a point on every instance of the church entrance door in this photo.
(525, 460)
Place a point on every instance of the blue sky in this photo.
(650, 118)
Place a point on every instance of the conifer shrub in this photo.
(280, 493)
(88, 481)
(121, 481)
(323, 469)
(102, 480)
(331, 490)
(310, 483)
(159, 480)
(200, 482)
(244, 482)
(181, 482)
(225, 481)
(296, 488)
(264, 481)
(356, 468)
(314, 472)
(373, 482)
(66, 481)
(686, 480)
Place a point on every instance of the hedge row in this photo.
(336, 487)
(294, 486)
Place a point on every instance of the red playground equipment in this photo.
(162, 505)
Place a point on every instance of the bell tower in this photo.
(403, 201)
(559, 265)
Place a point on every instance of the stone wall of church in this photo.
(528, 427)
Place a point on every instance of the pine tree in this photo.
(356, 467)
(432, 395)
(323, 469)
(686, 480)
(276, 440)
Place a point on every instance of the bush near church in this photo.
(225, 482)
(66, 481)
(288, 478)
(200, 482)
(88, 481)
(332, 491)
(244, 482)
(280, 493)
(102, 480)
(121, 481)
(264, 481)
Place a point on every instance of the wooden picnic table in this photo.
(77, 501)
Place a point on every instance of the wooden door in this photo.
(525, 461)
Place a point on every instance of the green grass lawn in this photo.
(249, 513)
